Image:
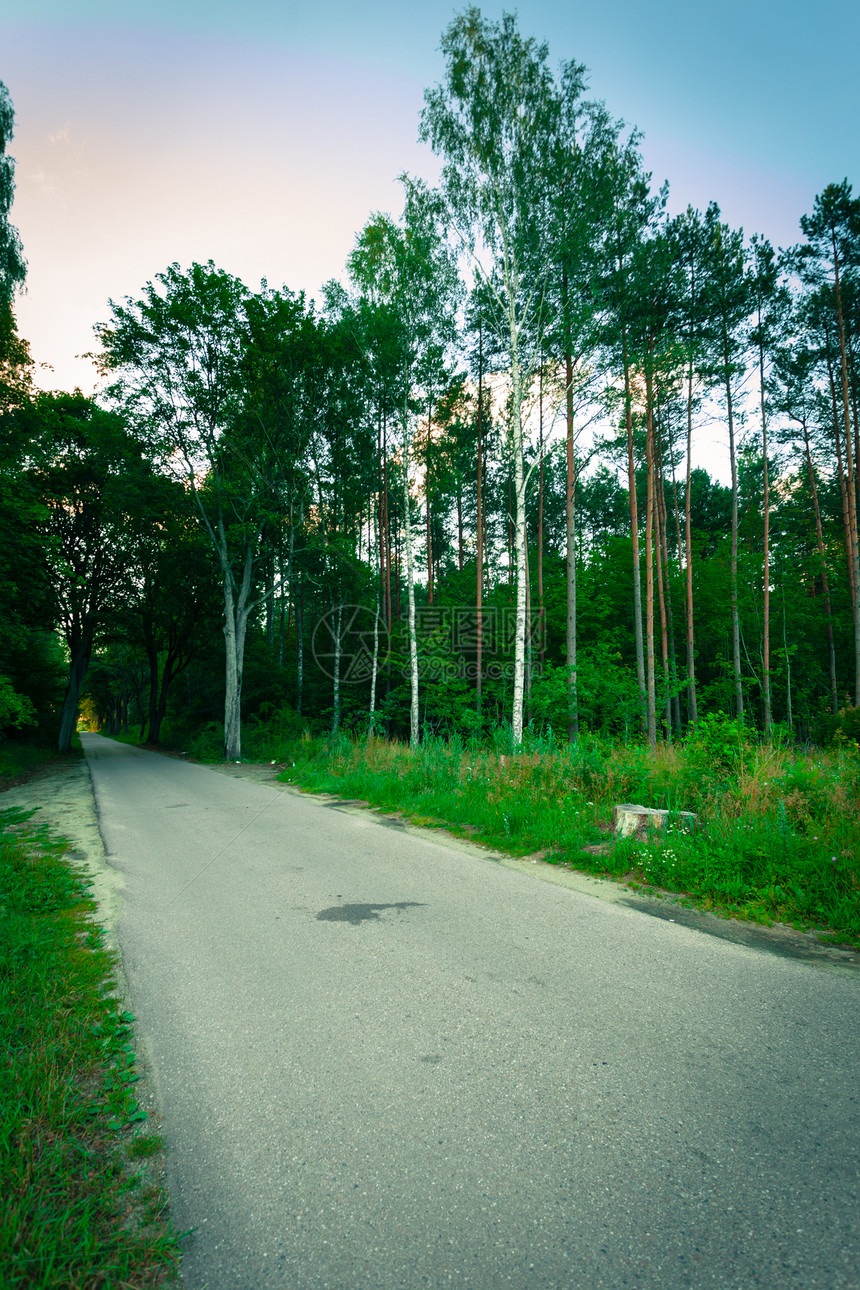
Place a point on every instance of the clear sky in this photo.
(262, 134)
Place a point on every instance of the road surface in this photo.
(384, 1062)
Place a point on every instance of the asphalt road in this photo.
(383, 1061)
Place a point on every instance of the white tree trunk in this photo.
(335, 715)
(520, 548)
(374, 670)
(410, 590)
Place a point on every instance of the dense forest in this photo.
(460, 490)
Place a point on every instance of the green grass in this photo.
(78, 1211)
(777, 836)
(18, 760)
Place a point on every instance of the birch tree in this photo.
(407, 270)
(494, 121)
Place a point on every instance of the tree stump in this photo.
(630, 821)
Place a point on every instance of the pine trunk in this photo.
(854, 554)
(733, 576)
(634, 534)
(819, 538)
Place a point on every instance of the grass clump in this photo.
(777, 837)
(77, 1214)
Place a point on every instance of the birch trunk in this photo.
(649, 577)
(410, 590)
(479, 623)
(692, 706)
(519, 541)
(765, 649)
(570, 570)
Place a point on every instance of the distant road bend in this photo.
(383, 1061)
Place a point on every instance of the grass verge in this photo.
(778, 836)
(18, 761)
(79, 1209)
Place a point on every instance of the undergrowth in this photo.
(18, 758)
(78, 1211)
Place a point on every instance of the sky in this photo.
(262, 135)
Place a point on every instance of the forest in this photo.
(548, 504)
(462, 492)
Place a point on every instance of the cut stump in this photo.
(630, 821)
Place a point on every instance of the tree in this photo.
(633, 209)
(174, 595)
(15, 363)
(177, 353)
(407, 272)
(728, 291)
(830, 259)
(12, 264)
(770, 305)
(688, 235)
(583, 158)
(94, 484)
(495, 121)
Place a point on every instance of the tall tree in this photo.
(96, 490)
(494, 120)
(770, 305)
(177, 352)
(688, 234)
(407, 270)
(729, 304)
(582, 170)
(830, 258)
(12, 264)
(633, 210)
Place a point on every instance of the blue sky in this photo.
(263, 134)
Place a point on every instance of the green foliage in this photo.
(12, 264)
(16, 710)
(718, 742)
